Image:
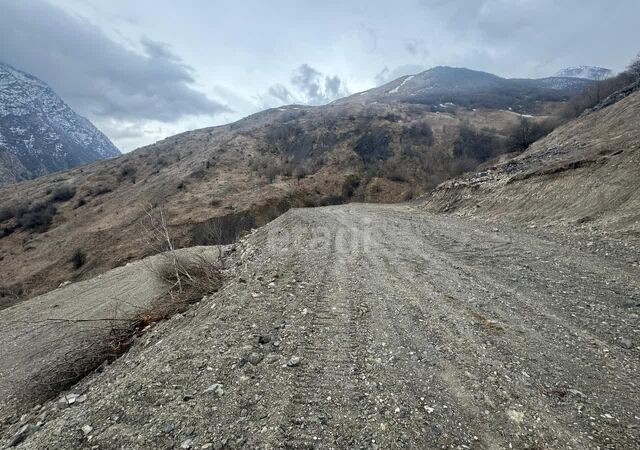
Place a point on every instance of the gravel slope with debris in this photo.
(44, 337)
(366, 326)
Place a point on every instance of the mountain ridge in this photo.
(470, 88)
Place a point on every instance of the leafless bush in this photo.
(62, 194)
(222, 230)
(91, 343)
(189, 278)
(78, 259)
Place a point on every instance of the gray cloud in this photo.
(282, 94)
(96, 75)
(310, 82)
(308, 86)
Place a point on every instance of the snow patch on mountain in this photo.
(41, 131)
(397, 88)
(585, 72)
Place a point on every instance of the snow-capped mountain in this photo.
(585, 72)
(39, 132)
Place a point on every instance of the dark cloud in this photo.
(308, 86)
(333, 86)
(96, 75)
(316, 88)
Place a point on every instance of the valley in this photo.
(449, 260)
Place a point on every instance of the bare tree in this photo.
(634, 67)
(156, 231)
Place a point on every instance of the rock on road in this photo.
(369, 326)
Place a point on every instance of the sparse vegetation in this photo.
(222, 230)
(601, 89)
(128, 172)
(78, 259)
(374, 145)
(63, 194)
(477, 145)
(100, 189)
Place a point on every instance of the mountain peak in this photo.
(39, 132)
(585, 72)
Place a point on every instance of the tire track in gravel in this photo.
(535, 398)
(326, 385)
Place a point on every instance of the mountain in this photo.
(442, 86)
(244, 174)
(585, 72)
(40, 133)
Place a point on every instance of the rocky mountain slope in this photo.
(39, 133)
(585, 72)
(586, 172)
(441, 87)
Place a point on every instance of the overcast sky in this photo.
(146, 69)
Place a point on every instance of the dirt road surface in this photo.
(366, 326)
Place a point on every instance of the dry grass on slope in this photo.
(587, 171)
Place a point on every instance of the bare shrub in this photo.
(128, 172)
(189, 278)
(100, 189)
(63, 194)
(222, 230)
(94, 342)
(78, 259)
(38, 218)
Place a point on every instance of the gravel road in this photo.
(369, 326)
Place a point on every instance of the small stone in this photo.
(216, 388)
(294, 361)
(187, 397)
(275, 274)
(187, 444)
(264, 339)
(207, 446)
(254, 358)
(516, 416)
(626, 343)
(255, 295)
(87, 429)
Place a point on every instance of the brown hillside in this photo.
(250, 172)
(585, 172)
